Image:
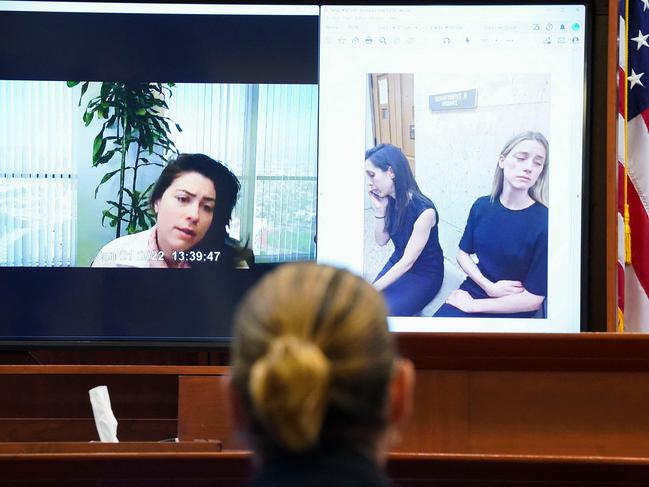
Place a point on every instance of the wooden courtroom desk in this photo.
(230, 469)
(506, 408)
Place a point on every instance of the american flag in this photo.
(633, 166)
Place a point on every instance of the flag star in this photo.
(635, 78)
(641, 39)
(646, 5)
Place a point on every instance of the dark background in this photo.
(162, 48)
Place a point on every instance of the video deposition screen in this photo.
(433, 142)
(99, 104)
(451, 159)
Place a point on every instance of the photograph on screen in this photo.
(457, 193)
(171, 175)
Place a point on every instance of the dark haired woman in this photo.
(414, 273)
(508, 233)
(317, 385)
(193, 201)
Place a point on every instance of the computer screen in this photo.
(451, 163)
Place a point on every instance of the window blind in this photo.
(37, 179)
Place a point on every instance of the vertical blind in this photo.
(37, 179)
(285, 193)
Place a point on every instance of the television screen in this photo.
(157, 159)
(128, 131)
(451, 163)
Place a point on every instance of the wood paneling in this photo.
(204, 411)
(59, 447)
(590, 352)
(83, 429)
(529, 413)
(51, 403)
(159, 469)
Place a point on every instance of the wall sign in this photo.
(456, 100)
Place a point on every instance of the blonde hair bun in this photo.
(288, 389)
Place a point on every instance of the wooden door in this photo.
(394, 113)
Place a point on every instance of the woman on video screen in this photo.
(193, 201)
(414, 272)
(508, 233)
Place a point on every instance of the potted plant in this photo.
(134, 134)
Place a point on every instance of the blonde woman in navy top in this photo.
(508, 233)
(413, 274)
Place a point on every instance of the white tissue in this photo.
(103, 413)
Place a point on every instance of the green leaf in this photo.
(106, 177)
(140, 111)
(141, 221)
(111, 121)
(146, 191)
(98, 147)
(178, 127)
(105, 158)
(105, 90)
(117, 206)
(110, 216)
(84, 87)
(150, 219)
(87, 118)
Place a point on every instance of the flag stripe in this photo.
(620, 194)
(620, 285)
(621, 46)
(620, 239)
(621, 79)
(645, 117)
(638, 166)
(639, 236)
(636, 306)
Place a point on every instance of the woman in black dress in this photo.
(414, 273)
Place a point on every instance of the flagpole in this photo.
(627, 226)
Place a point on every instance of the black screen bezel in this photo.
(77, 342)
